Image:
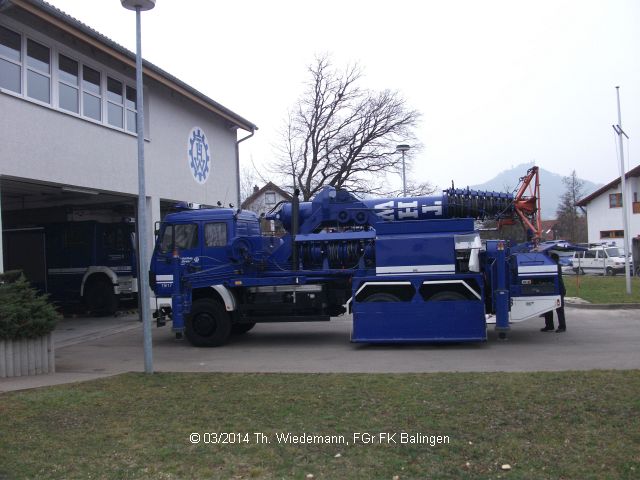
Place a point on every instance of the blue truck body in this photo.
(86, 262)
(408, 269)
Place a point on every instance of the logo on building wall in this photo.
(199, 155)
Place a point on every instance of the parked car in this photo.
(599, 260)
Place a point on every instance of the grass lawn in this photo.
(599, 289)
(568, 425)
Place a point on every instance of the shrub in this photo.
(23, 312)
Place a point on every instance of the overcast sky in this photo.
(498, 83)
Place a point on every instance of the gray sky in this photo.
(498, 82)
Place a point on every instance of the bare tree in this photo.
(248, 179)
(414, 189)
(343, 135)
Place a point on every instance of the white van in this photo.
(599, 260)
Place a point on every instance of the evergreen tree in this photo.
(23, 312)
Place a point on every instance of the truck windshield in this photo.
(614, 252)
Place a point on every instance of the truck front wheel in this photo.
(208, 324)
(100, 298)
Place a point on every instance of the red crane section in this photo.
(526, 204)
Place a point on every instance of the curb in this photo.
(604, 306)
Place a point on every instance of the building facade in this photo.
(604, 210)
(68, 132)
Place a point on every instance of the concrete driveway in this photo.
(596, 339)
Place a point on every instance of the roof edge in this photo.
(634, 172)
(74, 27)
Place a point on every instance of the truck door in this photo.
(183, 237)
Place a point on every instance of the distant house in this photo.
(604, 210)
(550, 230)
(262, 200)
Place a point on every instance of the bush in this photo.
(23, 312)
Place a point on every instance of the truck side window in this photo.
(186, 237)
(215, 234)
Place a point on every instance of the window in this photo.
(612, 234)
(590, 254)
(130, 103)
(114, 103)
(270, 198)
(615, 200)
(186, 237)
(68, 81)
(10, 60)
(215, 234)
(38, 72)
(91, 99)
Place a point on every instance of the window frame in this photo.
(77, 87)
(268, 194)
(55, 50)
(19, 63)
(618, 200)
(28, 68)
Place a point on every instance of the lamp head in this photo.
(143, 5)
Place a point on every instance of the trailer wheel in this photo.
(208, 324)
(241, 328)
(381, 297)
(100, 298)
(447, 296)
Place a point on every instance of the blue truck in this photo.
(89, 263)
(408, 269)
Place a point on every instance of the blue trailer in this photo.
(408, 269)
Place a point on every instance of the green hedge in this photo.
(23, 312)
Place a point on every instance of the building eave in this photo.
(634, 172)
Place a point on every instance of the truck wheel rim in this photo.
(204, 324)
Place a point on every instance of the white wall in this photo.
(600, 217)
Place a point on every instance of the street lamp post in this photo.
(403, 148)
(143, 256)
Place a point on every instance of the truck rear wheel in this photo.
(208, 324)
(100, 298)
(447, 296)
(241, 328)
(381, 297)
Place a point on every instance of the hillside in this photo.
(551, 186)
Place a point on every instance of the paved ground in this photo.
(596, 339)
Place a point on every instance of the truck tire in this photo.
(208, 324)
(447, 296)
(241, 328)
(381, 297)
(100, 298)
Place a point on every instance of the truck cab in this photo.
(207, 240)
